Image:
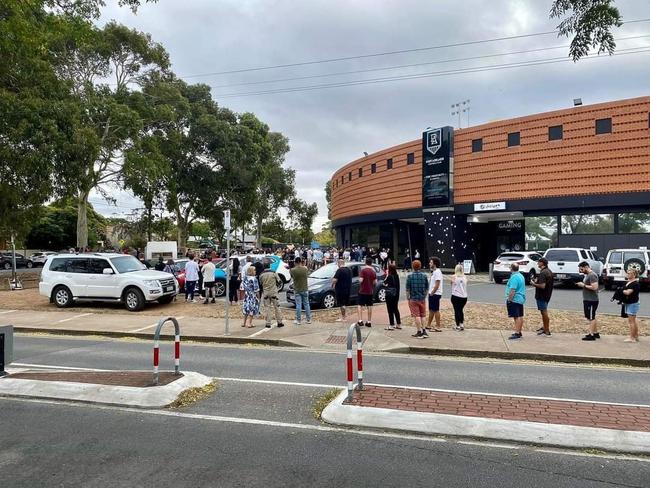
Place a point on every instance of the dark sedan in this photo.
(321, 292)
(21, 261)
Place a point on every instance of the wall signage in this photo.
(483, 207)
(437, 166)
(511, 225)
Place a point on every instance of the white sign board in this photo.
(593, 248)
(484, 207)
(226, 219)
(468, 266)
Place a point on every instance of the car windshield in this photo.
(562, 255)
(127, 264)
(324, 273)
(181, 264)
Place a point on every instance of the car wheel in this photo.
(133, 299)
(329, 300)
(62, 296)
(166, 300)
(30, 264)
(7, 265)
(220, 288)
(381, 295)
(634, 263)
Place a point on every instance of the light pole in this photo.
(460, 107)
(226, 220)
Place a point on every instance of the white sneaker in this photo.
(297, 322)
(308, 322)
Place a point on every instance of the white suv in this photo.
(620, 260)
(104, 277)
(563, 263)
(527, 261)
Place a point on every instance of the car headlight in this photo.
(152, 283)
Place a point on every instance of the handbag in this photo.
(391, 291)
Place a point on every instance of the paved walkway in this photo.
(561, 412)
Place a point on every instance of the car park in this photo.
(39, 258)
(620, 261)
(563, 263)
(6, 261)
(321, 292)
(527, 261)
(219, 275)
(67, 278)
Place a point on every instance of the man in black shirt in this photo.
(342, 282)
(543, 290)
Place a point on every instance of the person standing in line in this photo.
(299, 275)
(270, 281)
(208, 270)
(326, 256)
(160, 265)
(543, 291)
(416, 293)
(631, 291)
(391, 282)
(590, 300)
(383, 259)
(342, 284)
(244, 268)
(367, 282)
(251, 303)
(191, 277)
(346, 255)
(435, 293)
(515, 299)
(459, 296)
(416, 254)
(407, 261)
(233, 286)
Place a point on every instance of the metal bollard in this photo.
(6, 347)
(350, 368)
(156, 347)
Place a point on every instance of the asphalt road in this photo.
(263, 434)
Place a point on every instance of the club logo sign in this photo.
(434, 140)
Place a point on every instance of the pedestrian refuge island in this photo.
(156, 347)
(350, 369)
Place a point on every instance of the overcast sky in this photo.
(330, 127)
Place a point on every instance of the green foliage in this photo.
(56, 228)
(302, 215)
(590, 22)
(326, 237)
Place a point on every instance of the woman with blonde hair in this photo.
(631, 292)
(459, 296)
(251, 303)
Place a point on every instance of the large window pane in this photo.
(588, 224)
(633, 223)
(541, 233)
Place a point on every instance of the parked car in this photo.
(277, 265)
(219, 275)
(563, 263)
(21, 261)
(39, 258)
(67, 278)
(527, 261)
(321, 292)
(619, 261)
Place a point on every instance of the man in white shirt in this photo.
(208, 270)
(191, 277)
(435, 293)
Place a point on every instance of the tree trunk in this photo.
(258, 233)
(82, 220)
(181, 226)
(149, 218)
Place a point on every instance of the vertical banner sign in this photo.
(437, 166)
(226, 219)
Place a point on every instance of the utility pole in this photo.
(226, 220)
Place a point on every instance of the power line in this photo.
(386, 53)
(418, 76)
(413, 65)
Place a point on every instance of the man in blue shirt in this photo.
(515, 299)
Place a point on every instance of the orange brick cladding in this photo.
(582, 163)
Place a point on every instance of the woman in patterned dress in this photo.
(251, 303)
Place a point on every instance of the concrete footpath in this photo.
(536, 420)
(332, 336)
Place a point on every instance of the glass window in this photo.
(127, 264)
(587, 224)
(477, 145)
(635, 255)
(355, 271)
(604, 126)
(410, 158)
(96, 266)
(555, 133)
(616, 257)
(78, 266)
(584, 255)
(634, 223)
(373, 168)
(513, 139)
(350, 176)
(389, 163)
(541, 233)
(324, 272)
(510, 257)
(360, 172)
(565, 255)
(58, 264)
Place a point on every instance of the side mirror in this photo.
(107, 271)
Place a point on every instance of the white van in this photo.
(563, 263)
(619, 261)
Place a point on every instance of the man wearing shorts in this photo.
(543, 290)
(435, 293)
(342, 283)
(589, 287)
(417, 287)
(367, 281)
(515, 299)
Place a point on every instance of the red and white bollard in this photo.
(350, 368)
(156, 347)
